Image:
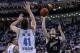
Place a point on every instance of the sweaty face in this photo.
(53, 32)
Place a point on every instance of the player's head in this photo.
(53, 32)
(24, 24)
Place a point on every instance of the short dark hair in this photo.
(24, 24)
(12, 39)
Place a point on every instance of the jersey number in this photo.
(27, 42)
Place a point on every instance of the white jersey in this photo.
(26, 41)
(11, 48)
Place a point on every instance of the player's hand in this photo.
(27, 5)
(20, 17)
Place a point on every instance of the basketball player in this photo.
(52, 41)
(12, 46)
(26, 39)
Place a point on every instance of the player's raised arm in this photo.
(13, 25)
(33, 22)
(44, 27)
(61, 32)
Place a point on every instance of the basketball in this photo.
(44, 12)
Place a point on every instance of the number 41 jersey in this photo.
(26, 41)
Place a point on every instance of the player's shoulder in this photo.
(25, 29)
(15, 49)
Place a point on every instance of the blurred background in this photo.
(67, 12)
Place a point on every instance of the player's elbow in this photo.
(33, 27)
(11, 27)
